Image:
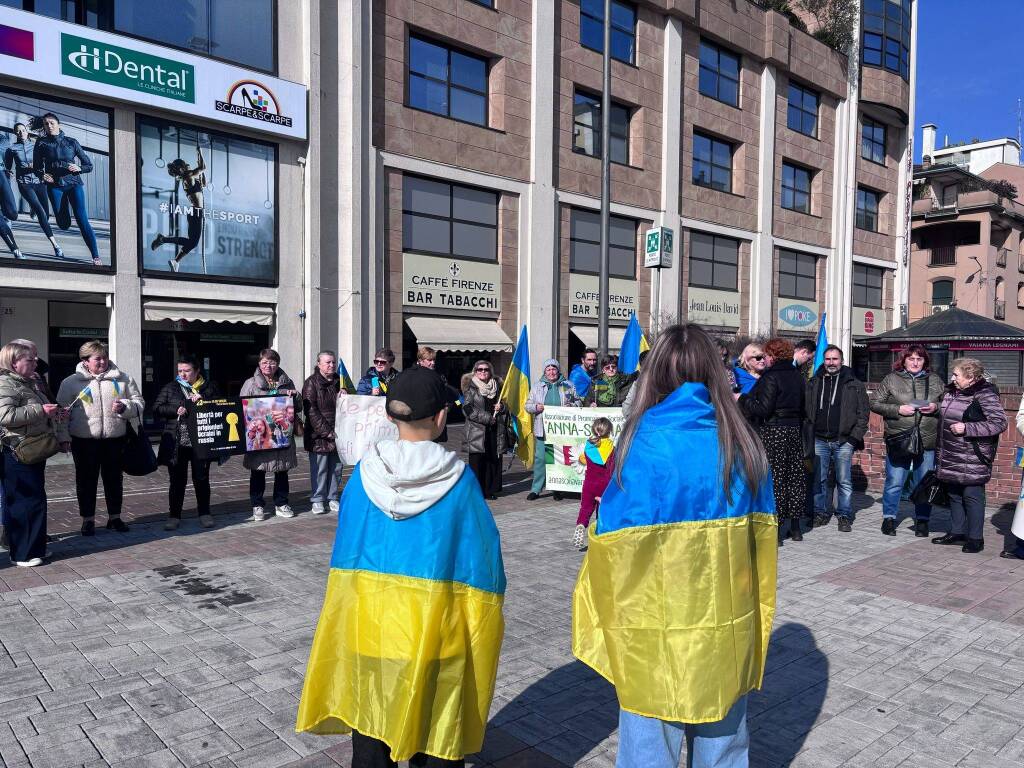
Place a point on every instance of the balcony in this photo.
(1000, 310)
(942, 256)
(1002, 256)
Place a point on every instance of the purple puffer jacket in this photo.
(956, 460)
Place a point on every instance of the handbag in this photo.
(906, 444)
(930, 490)
(138, 458)
(36, 449)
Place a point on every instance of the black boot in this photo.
(921, 529)
(795, 532)
(974, 546)
(844, 524)
(556, 496)
(889, 526)
(950, 538)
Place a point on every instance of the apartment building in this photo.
(974, 156)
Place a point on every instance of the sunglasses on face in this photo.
(482, 370)
(757, 357)
(381, 362)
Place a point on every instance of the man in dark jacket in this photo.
(582, 373)
(377, 378)
(837, 411)
(319, 404)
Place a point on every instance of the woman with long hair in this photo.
(18, 163)
(682, 660)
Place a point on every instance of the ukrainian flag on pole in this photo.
(344, 380)
(514, 392)
(633, 343)
(822, 342)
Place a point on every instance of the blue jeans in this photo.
(323, 477)
(645, 742)
(827, 453)
(74, 196)
(896, 478)
(24, 490)
(539, 468)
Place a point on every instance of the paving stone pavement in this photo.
(188, 648)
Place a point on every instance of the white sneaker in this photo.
(258, 515)
(318, 508)
(333, 506)
(172, 524)
(579, 537)
(206, 521)
(284, 511)
(29, 563)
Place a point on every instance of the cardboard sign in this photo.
(360, 422)
(566, 430)
(228, 426)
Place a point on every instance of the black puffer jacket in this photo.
(172, 397)
(319, 404)
(967, 458)
(853, 409)
(778, 397)
(484, 431)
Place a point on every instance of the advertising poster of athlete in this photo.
(268, 422)
(208, 203)
(54, 182)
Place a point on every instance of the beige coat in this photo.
(93, 417)
(21, 408)
(281, 459)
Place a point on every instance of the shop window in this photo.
(867, 286)
(712, 163)
(719, 75)
(714, 262)
(872, 140)
(886, 35)
(867, 209)
(207, 204)
(623, 28)
(802, 110)
(586, 127)
(942, 293)
(447, 81)
(796, 188)
(443, 219)
(797, 275)
(585, 244)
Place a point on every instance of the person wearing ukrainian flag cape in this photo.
(405, 654)
(675, 598)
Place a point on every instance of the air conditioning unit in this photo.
(939, 308)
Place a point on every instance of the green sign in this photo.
(125, 68)
(658, 248)
(653, 241)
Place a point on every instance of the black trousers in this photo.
(372, 753)
(95, 458)
(258, 486)
(24, 507)
(178, 473)
(487, 468)
(967, 508)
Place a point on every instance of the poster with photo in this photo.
(55, 187)
(268, 422)
(207, 203)
(226, 426)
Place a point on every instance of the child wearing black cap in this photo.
(406, 650)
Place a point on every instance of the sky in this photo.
(968, 69)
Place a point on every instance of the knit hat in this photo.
(551, 361)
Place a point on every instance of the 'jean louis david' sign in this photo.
(706, 306)
(439, 283)
(623, 297)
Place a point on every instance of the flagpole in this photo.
(606, 122)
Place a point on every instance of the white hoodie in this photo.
(404, 478)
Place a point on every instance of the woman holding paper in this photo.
(99, 400)
(173, 403)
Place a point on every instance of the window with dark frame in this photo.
(585, 244)
(867, 286)
(802, 110)
(623, 28)
(872, 141)
(447, 81)
(452, 220)
(886, 35)
(797, 275)
(796, 188)
(586, 127)
(485, 3)
(712, 163)
(867, 209)
(719, 75)
(714, 262)
(942, 293)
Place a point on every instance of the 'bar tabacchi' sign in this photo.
(440, 283)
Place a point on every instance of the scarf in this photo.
(488, 389)
(190, 389)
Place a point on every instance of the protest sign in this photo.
(565, 432)
(360, 422)
(227, 426)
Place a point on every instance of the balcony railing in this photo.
(1000, 310)
(1002, 256)
(943, 256)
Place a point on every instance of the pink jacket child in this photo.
(599, 458)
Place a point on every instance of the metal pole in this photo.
(606, 125)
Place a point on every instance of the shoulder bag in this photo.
(138, 458)
(36, 449)
(930, 490)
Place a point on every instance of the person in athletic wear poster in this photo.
(192, 181)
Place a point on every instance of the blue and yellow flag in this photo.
(344, 380)
(633, 343)
(822, 342)
(406, 650)
(675, 599)
(514, 392)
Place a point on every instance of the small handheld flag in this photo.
(514, 392)
(633, 343)
(344, 379)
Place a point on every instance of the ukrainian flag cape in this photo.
(675, 599)
(406, 650)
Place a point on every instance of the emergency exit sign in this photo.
(658, 248)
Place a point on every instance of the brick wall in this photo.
(1002, 489)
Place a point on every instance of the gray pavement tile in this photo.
(72, 753)
(123, 738)
(164, 758)
(203, 749)
(267, 755)
(182, 725)
(157, 701)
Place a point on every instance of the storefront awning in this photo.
(155, 310)
(588, 335)
(450, 334)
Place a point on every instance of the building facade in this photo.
(974, 156)
(428, 172)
